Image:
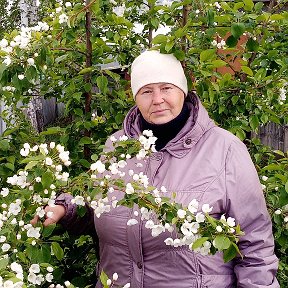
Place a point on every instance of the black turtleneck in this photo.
(167, 131)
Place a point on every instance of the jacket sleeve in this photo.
(71, 221)
(246, 203)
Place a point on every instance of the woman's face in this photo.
(159, 103)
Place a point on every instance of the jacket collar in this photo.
(197, 124)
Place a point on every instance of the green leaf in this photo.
(179, 54)
(4, 145)
(169, 45)
(87, 87)
(48, 230)
(119, 118)
(231, 41)
(247, 70)
(81, 210)
(31, 73)
(210, 17)
(3, 67)
(102, 83)
(57, 250)
(4, 263)
(61, 58)
(47, 179)
(78, 111)
(235, 99)
(252, 45)
(258, 6)
(230, 253)
(85, 140)
(237, 29)
(45, 253)
(286, 186)
(155, 22)
(199, 242)
(84, 163)
(86, 70)
(276, 17)
(207, 55)
(33, 253)
(103, 279)
(218, 63)
(272, 167)
(10, 166)
(30, 165)
(159, 39)
(51, 130)
(248, 4)
(254, 122)
(95, 7)
(221, 242)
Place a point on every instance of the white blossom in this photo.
(278, 212)
(264, 178)
(7, 60)
(78, 200)
(131, 222)
(5, 247)
(119, 10)
(3, 43)
(219, 229)
(63, 18)
(33, 232)
(129, 188)
(49, 277)
(231, 221)
(2, 239)
(206, 208)
(48, 161)
(115, 276)
(98, 166)
(30, 61)
(169, 241)
(157, 230)
(123, 138)
(14, 208)
(200, 218)
(113, 139)
(34, 268)
(181, 213)
(4, 192)
(58, 9)
(193, 206)
(16, 267)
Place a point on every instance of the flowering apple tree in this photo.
(25, 249)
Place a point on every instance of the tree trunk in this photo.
(87, 77)
(34, 111)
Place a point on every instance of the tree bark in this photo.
(87, 77)
(34, 111)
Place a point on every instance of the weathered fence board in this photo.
(274, 135)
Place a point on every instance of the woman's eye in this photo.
(167, 88)
(146, 92)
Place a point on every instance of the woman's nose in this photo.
(157, 97)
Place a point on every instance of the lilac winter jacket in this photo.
(204, 162)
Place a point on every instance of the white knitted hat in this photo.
(154, 67)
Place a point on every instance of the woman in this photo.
(195, 159)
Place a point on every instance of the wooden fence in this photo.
(274, 135)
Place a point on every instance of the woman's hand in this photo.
(52, 215)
